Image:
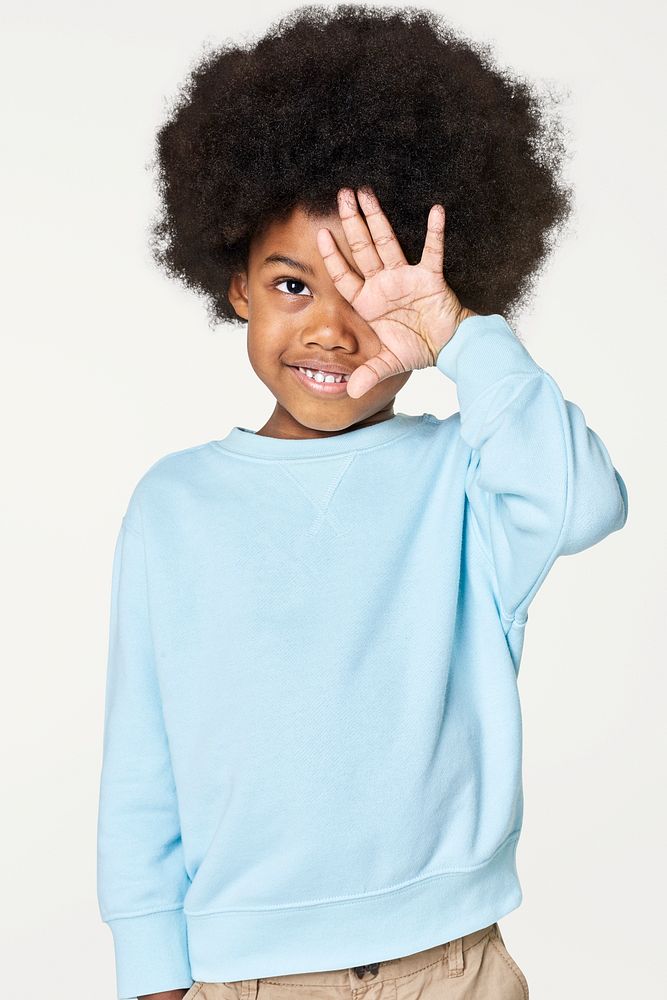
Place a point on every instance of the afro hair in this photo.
(355, 95)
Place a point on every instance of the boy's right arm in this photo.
(540, 482)
(141, 876)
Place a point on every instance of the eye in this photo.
(290, 281)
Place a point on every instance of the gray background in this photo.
(107, 366)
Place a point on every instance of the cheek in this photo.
(273, 325)
(266, 343)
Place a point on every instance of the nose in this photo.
(337, 325)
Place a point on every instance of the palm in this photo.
(396, 303)
(403, 303)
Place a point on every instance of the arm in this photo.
(141, 878)
(540, 482)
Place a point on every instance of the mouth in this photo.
(319, 382)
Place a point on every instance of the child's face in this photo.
(297, 315)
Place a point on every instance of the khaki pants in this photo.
(476, 966)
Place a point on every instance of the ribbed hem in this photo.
(151, 953)
(249, 944)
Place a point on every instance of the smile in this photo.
(321, 383)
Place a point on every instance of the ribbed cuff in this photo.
(151, 953)
(482, 351)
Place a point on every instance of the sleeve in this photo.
(141, 879)
(540, 483)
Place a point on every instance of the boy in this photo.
(312, 759)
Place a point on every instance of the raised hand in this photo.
(411, 308)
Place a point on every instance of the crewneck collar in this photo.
(242, 441)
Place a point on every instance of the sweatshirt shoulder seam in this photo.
(128, 527)
(568, 478)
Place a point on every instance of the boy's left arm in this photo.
(540, 483)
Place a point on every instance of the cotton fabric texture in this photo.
(312, 737)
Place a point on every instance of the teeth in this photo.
(319, 376)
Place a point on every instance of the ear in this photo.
(237, 293)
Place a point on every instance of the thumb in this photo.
(373, 371)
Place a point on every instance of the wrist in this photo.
(439, 341)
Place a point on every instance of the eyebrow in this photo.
(279, 258)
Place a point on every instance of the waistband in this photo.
(392, 968)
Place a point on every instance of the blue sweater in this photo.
(312, 738)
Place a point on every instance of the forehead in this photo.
(296, 236)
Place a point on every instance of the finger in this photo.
(357, 234)
(433, 254)
(384, 237)
(347, 281)
(374, 370)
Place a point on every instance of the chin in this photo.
(330, 422)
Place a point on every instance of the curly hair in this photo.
(354, 95)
